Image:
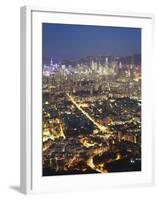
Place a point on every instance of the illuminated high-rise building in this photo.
(93, 65)
(51, 62)
(120, 65)
(106, 62)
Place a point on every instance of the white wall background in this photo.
(10, 95)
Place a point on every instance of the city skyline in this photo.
(72, 42)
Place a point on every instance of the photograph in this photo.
(91, 99)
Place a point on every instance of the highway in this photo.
(99, 126)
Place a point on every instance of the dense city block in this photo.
(91, 115)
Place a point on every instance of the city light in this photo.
(91, 99)
(91, 118)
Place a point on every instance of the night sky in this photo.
(63, 41)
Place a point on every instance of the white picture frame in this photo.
(31, 48)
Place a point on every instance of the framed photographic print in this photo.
(86, 100)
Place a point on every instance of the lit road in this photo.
(94, 167)
(99, 126)
(52, 137)
(61, 128)
(99, 167)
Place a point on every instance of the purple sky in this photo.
(62, 41)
